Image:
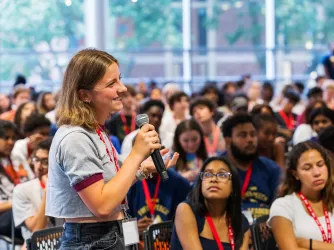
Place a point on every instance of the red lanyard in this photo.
(151, 203)
(11, 173)
(247, 180)
(42, 184)
(325, 238)
(133, 123)
(216, 236)
(288, 120)
(99, 132)
(114, 156)
(212, 148)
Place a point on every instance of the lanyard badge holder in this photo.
(130, 230)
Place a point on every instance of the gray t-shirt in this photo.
(27, 199)
(77, 158)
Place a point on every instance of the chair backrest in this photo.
(46, 239)
(158, 236)
(263, 238)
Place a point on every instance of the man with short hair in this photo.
(259, 175)
(203, 110)
(29, 198)
(37, 128)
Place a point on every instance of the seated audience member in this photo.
(179, 105)
(259, 175)
(285, 117)
(8, 176)
(299, 108)
(328, 94)
(46, 102)
(228, 90)
(326, 139)
(22, 113)
(156, 94)
(203, 110)
(211, 218)
(314, 95)
(153, 200)
(267, 92)
(211, 92)
(154, 110)
(29, 197)
(262, 109)
(270, 145)
(304, 132)
(4, 103)
(37, 128)
(21, 95)
(302, 218)
(189, 143)
(124, 122)
(321, 119)
(254, 94)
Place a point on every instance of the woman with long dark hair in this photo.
(189, 143)
(212, 217)
(302, 218)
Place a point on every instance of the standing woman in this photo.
(86, 185)
(189, 143)
(302, 218)
(212, 217)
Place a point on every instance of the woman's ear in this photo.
(84, 95)
(294, 173)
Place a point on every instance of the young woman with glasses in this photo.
(211, 218)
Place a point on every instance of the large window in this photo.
(228, 38)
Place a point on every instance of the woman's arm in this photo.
(186, 228)
(283, 232)
(316, 245)
(245, 241)
(5, 206)
(102, 198)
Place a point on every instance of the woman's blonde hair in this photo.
(85, 69)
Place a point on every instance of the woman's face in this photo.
(27, 110)
(106, 96)
(49, 102)
(321, 122)
(190, 141)
(312, 171)
(217, 187)
(267, 134)
(202, 113)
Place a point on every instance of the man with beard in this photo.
(259, 176)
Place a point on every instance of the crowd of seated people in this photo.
(244, 152)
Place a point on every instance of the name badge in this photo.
(130, 231)
(249, 216)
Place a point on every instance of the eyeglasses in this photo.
(221, 176)
(44, 162)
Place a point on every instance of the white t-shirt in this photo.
(27, 198)
(303, 133)
(304, 226)
(19, 156)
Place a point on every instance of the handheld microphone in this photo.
(159, 164)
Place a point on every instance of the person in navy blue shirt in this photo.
(328, 62)
(259, 175)
(169, 195)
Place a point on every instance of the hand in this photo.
(143, 223)
(280, 140)
(147, 140)
(147, 166)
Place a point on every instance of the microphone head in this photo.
(141, 120)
